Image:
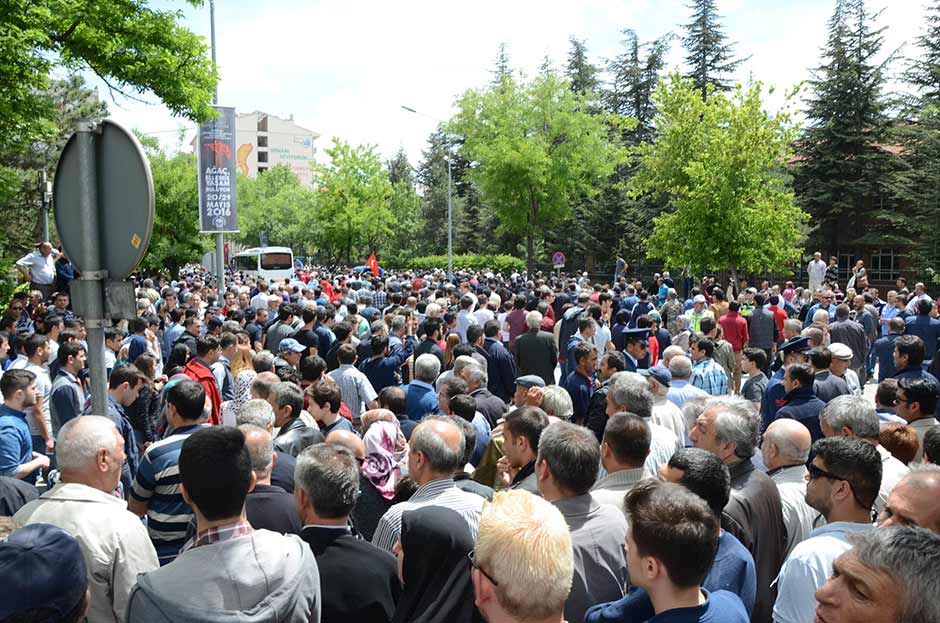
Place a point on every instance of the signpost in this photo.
(558, 260)
(104, 206)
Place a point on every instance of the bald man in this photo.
(914, 501)
(785, 450)
(437, 446)
(268, 507)
(349, 440)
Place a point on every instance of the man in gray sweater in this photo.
(228, 571)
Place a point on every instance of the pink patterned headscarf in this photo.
(380, 466)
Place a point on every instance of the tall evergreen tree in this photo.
(709, 58)
(847, 177)
(579, 70)
(635, 73)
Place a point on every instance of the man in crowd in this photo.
(356, 389)
(681, 387)
(267, 507)
(580, 383)
(500, 365)
(492, 407)
(522, 430)
(826, 386)
(843, 483)
(123, 389)
(168, 514)
(846, 331)
(382, 369)
(885, 578)
(68, 397)
(437, 447)
(522, 562)
(38, 267)
(923, 326)
(17, 458)
(707, 374)
(785, 450)
(199, 369)
(625, 446)
(115, 545)
(421, 398)
(287, 401)
(795, 351)
(36, 350)
(566, 469)
(800, 402)
(914, 501)
(250, 571)
(536, 350)
(630, 393)
(734, 327)
(884, 348)
(610, 364)
(729, 428)
(327, 489)
(917, 402)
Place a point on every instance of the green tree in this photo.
(709, 57)
(404, 206)
(175, 240)
(431, 176)
(534, 148)
(718, 163)
(580, 71)
(353, 205)
(845, 178)
(131, 46)
(70, 101)
(278, 205)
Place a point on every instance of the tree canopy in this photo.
(718, 162)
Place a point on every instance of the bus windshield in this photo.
(276, 261)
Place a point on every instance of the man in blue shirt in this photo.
(381, 369)
(671, 542)
(17, 458)
(924, 327)
(702, 473)
(580, 383)
(325, 401)
(156, 490)
(884, 349)
(825, 303)
(796, 350)
(421, 397)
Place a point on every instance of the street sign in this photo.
(558, 259)
(125, 201)
(215, 152)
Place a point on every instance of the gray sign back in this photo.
(125, 201)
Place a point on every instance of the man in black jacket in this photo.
(610, 364)
(536, 350)
(294, 435)
(327, 487)
(501, 367)
(268, 507)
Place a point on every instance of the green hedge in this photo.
(495, 263)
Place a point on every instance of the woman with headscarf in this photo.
(681, 338)
(671, 310)
(379, 473)
(434, 568)
(242, 389)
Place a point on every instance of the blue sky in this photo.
(344, 68)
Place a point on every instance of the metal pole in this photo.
(91, 256)
(44, 205)
(450, 220)
(219, 238)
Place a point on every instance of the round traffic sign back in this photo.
(125, 201)
(558, 259)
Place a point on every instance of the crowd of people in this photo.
(499, 447)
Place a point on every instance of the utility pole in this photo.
(45, 194)
(219, 237)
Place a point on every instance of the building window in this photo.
(262, 170)
(263, 123)
(846, 262)
(884, 265)
(262, 141)
(262, 156)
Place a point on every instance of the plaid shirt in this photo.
(379, 299)
(709, 376)
(218, 534)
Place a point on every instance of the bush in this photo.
(469, 261)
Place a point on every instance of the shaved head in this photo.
(786, 442)
(350, 440)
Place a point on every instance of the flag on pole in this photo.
(373, 265)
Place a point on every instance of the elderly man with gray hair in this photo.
(492, 407)
(855, 416)
(785, 450)
(729, 428)
(681, 388)
(258, 412)
(267, 507)
(536, 350)
(421, 398)
(115, 544)
(630, 393)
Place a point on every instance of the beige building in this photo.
(263, 141)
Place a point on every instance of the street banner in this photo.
(215, 154)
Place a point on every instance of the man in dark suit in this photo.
(501, 368)
(536, 351)
(358, 581)
(267, 507)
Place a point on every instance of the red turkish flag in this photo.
(373, 265)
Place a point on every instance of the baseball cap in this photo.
(840, 351)
(530, 380)
(659, 372)
(42, 566)
(289, 343)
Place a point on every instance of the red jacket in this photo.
(734, 327)
(780, 316)
(199, 372)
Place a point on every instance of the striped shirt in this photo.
(441, 492)
(355, 388)
(158, 484)
(709, 376)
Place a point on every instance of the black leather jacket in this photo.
(295, 436)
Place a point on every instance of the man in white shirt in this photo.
(36, 350)
(39, 267)
(630, 393)
(816, 271)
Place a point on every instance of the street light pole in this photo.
(450, 206)
(219, 238)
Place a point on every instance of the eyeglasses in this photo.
(16, 309)
(815, 473)
(471, 555)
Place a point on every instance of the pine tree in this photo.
(579, 70)
(847, 178)
(432, 178)
(709, 58)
